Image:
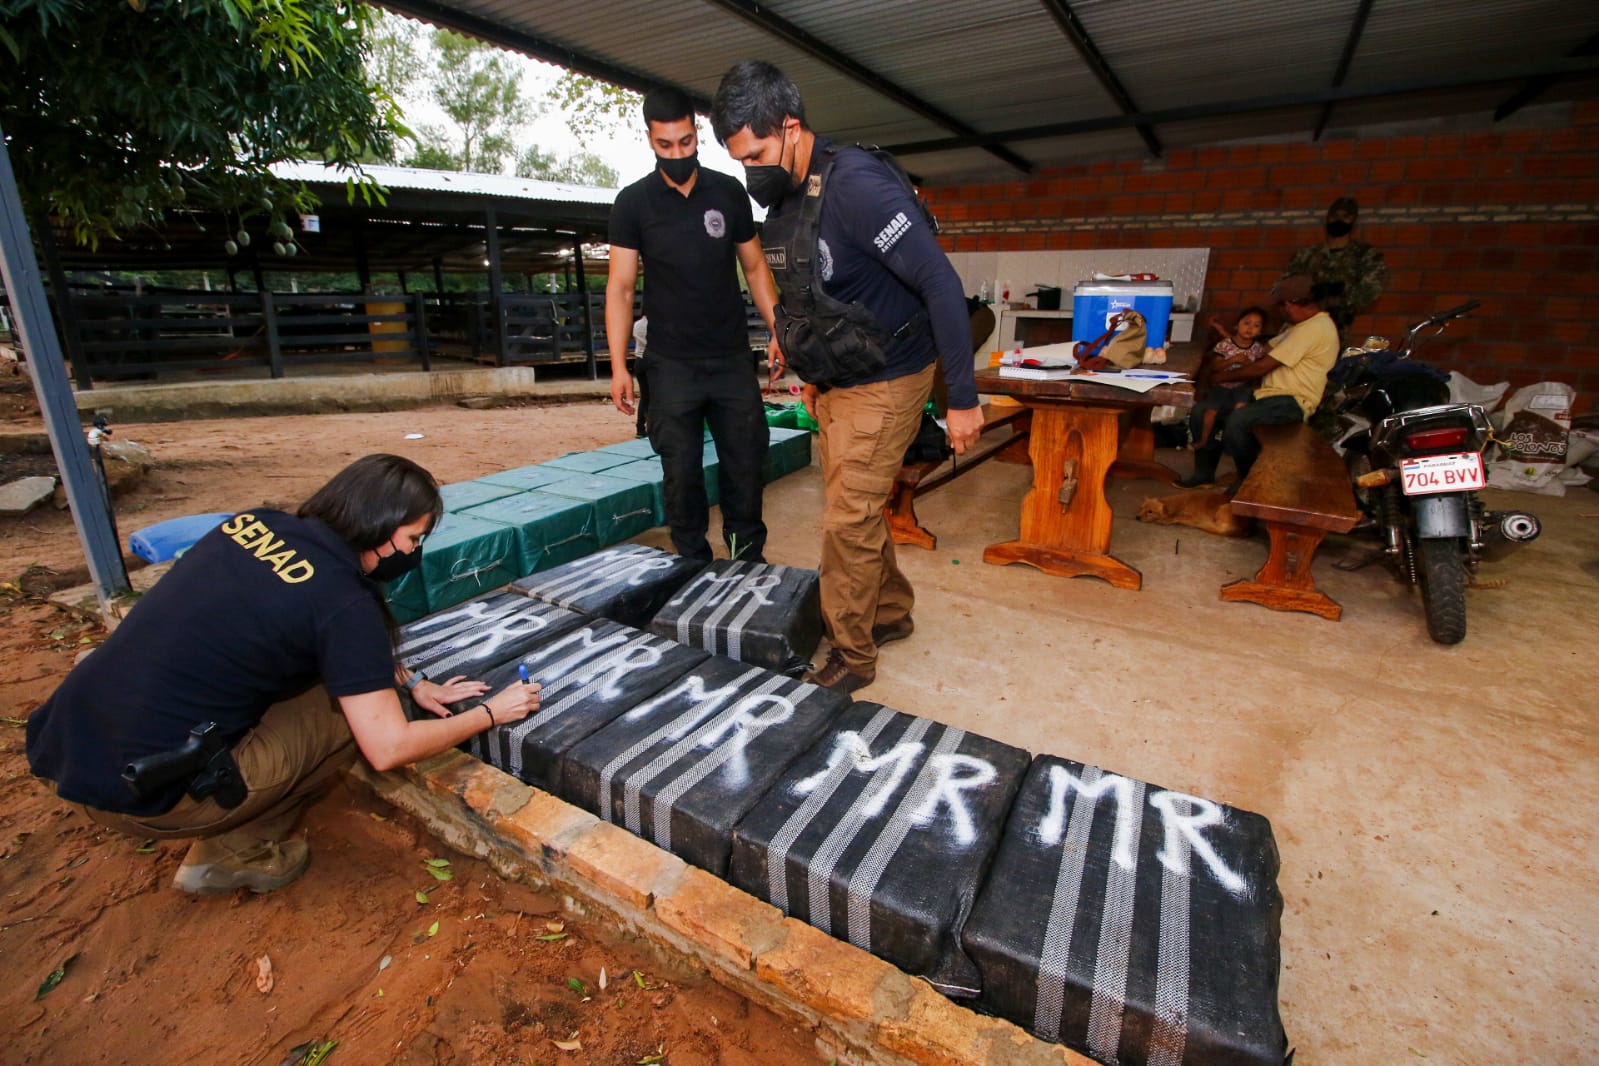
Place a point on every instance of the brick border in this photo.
(862, 1008)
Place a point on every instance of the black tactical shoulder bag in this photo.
(825, 340)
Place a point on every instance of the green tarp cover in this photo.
(465, 556)
(787, 450)
(638, 448)
(587, 462)
(550, 530)
(622, 508)
(527, 477)
(781, 415)
(645, 472)
(408, 596)
(464, 494)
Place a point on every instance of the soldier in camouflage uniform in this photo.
(1341, 258)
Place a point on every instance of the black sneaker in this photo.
(836, 675)
(892, 631)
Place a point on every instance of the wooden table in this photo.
(1081, 434)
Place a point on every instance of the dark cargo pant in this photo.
(685, 396)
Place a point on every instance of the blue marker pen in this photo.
(521, 671)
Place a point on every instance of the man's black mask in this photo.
(678, 171)
(1339, 228)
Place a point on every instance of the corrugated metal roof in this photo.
(493, 185)
(998, 66)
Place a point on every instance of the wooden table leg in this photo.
(1285, 582)
(1136, 459)
(1069, 538)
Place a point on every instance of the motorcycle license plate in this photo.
(1461, 472)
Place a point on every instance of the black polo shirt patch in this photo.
(689, 249)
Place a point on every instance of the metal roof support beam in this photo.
(442, 14)
(764, 19)
(91, 511)
(1077, 34)
(1356, 30)
(1558, 67)
(1536, 87)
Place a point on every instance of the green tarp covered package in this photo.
(527, 477)
(621, 508)
(465, 494)
(713, 483)
(787, 450)
(465, 556)
(646, 472)
(587, 462)
(407, 595)
(781, 415)
(550, 530)
(638, 448)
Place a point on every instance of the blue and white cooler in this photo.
(1095, 303)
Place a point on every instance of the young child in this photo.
(1237, 347)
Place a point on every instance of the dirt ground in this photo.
(368, 949)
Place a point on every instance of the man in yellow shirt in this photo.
(1292, 379)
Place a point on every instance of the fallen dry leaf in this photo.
(555, 927)
(263, 978)
(602, 979)
(574, 1044)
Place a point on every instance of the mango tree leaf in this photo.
(577, 986)
(146, 848)
(552, 936)
(433, 930)
(440, 875)
(437, 864)
(422, 898)
(54, 977)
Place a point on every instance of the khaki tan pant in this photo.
(865, 430)
(293, 756)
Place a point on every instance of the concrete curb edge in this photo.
(863, 1009)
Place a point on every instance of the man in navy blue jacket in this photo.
(875, 249)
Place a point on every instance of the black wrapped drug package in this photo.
(587, 676)
(480, 634)
(627, 583)
(1135, 924)
(683, 767)
(881, 835)
(758, 613)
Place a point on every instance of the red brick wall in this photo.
(1511, 218)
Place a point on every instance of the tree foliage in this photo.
(596, 110)
(579, 168)
(479, 88)
(119, 111)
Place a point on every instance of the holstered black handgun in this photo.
(204, 766)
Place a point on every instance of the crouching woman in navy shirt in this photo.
(273, 628)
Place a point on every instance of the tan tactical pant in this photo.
(290, 758)
(865, 430)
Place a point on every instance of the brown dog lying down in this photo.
(1209, 511)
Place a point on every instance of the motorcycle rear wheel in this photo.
(1442, 572)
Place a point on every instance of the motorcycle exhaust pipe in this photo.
(1507, 530)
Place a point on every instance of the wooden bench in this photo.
(1300, 490)
(918, 479)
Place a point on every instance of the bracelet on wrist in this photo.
(416, 678)
(492, 722)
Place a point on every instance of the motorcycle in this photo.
(1416, 463)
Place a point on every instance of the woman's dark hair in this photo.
(372, 497)
(667, 104)
(756, 94)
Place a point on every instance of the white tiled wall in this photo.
(1183, 267)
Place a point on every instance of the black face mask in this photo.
(1340, 228)
(395, 566)
(678, 171)
(769, 182)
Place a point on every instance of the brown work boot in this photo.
(889, 632)
(212, 867)
(836, 675)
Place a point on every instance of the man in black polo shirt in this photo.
(691, 226)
